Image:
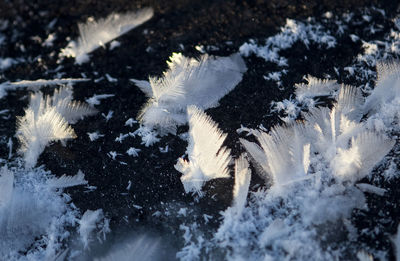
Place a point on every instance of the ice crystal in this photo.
(94, 34)
(88, 224)
(46, 120)
(188, 81)
(207, 159)
(283, 161)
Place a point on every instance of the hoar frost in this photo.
(187, 81)
(313, 167)
(33, 215)
(94, 34)
(207, 158)
(36, 84)
(292, 32)
(46, 120)
(93, 221)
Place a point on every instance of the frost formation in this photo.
(313, 167)
(94, 34)
(188, 81)
(47, 119)
(33, 215)
(207, 159)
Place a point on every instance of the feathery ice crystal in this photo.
(36, 84)
(89, 223)
(284, 153)
(340, 147)
(68, 181)
(46, 120)
(242, 183)
(336, 134)
(207, 160)
(340, 137)
(94, 34)
(307, 96)
(315, 87)
(386, 89)
(188, 81)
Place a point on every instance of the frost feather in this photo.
(284, 153)
(315, 87)
(188, 81)
(242, 183)
(94, 34)
(46, 120)
(207, 158)
(68, 181)
(387, 87)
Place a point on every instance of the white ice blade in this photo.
(187, 82)
(68, 181)
(88, 224)
(94, 34)
(258, 155)
(35, 134)
(386, 89)
(350, 102)
(207, 158)
(72, 111)
(242, 183)
(356, 162)
(144, 86)
(284, 153)
(35, 84)
(46, 120)
(315, 87)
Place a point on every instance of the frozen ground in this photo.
(97, 169)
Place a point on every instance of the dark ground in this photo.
(225, 24)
